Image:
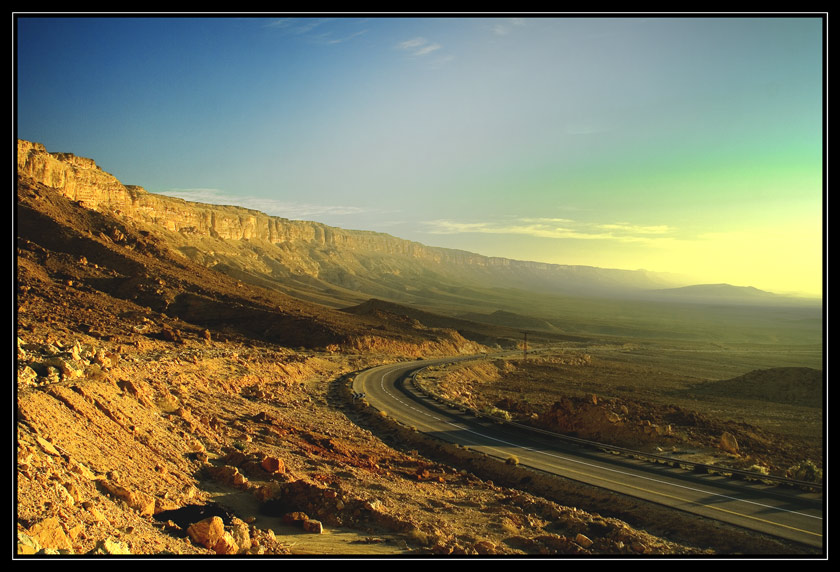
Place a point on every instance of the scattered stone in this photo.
(137, 500)
(26, 544)
(226, 545)
(638, 548)
(110, 546)
(273, 465)
(228, 475)
(80, 470)
(728, 443)
(241, 534)
(26, 375)
(48, 447)
(207, 532)
(313, 526)
(49, 534)
(295, 518)
(171, 334)
(374, 505)
(267, 492)
(69, 369)
(484, 547)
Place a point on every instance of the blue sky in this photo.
(686, 145)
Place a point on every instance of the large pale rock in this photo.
(273, 465)
(226, 545)
(313, 526)
(48, 447)
(49, 534)
(241, 534)
(26, 544)
(137, 500)
(110, 546)
(207, 532)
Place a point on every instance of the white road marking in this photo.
(567, 459)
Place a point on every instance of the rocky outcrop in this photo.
(340, 253)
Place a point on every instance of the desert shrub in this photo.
(805, 471)
(759, 469)
(496, 412)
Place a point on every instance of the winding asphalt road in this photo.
(786, 513)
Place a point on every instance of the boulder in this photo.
(110, 546)
(207, 532)
(49, 534)
(728, 443)
(137, 500)
(273, 465)
(226, 544)
(313, 526)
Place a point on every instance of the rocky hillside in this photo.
(632, 412)
(64, 247)
(794, 385)
(164, 408)
(323, 263)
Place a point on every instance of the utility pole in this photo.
(525, 347)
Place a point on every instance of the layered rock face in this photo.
(287, 248)
(80, 179)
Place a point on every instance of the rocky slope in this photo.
(298, 255)
(164, 408)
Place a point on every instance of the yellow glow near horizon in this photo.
(787, 260)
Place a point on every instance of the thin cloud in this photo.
(504, 28)
(315, 30)
(268, 206)
(412, 43)
(555, 228)
(347, 38)
(280, 23)
(419, 46)
(427, 49)
(500, 30)
(297, 25)
(636, 229)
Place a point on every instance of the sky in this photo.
(687, 145)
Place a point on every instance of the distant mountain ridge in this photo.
(726, 293)
(330, 265)
(719, 289)
(300, 249)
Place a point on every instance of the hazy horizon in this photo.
(689, 146)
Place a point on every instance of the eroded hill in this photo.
(166, 408)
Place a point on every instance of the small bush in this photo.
(496, 412)
(805, 471)
(759, 469)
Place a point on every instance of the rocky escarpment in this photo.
(66, 251)
(292, 248)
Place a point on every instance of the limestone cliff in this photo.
(80, 179)
(270, 250)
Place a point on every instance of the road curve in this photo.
(785, 513)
